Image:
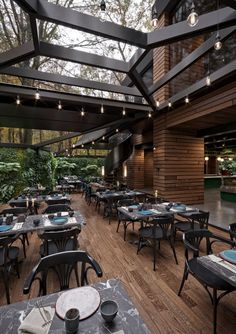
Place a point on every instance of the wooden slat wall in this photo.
(178, 165)
(148, 169)
(135, 165)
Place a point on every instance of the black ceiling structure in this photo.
(138, 99)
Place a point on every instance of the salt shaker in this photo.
(72, 321)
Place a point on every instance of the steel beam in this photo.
(179, 31)
(16, 145)
(16, 55)
(137, 79)
(217, 130)
(227, 70)
(80, 57)
(57, 139)
(90, 24)
(29, 6)
(35, 35)
(62, 79)
(190, 59)
(28, 92)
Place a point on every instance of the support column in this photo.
(135, 165)
(178, 164)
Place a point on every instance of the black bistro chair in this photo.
(122, 219)
(57, 208)
(158, 229)
(209, 280)
(8, 259)
(232, 233)
(195, 221)
(59, 241)
(22, 212)
(62, 264)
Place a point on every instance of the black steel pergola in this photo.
(45, 116)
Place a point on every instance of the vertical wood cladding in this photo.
(135, 165)
(178, 165)
(148, 169)
(161, 63)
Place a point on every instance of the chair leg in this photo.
(185, 276)
(154, 254)
(125, 230)
(118, 226)
(215, 304)
(173, 249)
(139, 244)
(6, 281)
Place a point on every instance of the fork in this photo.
(46, 317)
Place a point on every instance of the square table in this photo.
(127, 319)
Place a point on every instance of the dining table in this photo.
(220, 267)
(34, 223)
(127, 320)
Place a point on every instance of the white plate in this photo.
(86, 299)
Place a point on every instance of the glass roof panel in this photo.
(14, 26)
(130, 13)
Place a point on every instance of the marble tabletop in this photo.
(45, 224)
(142, 214)
(118, 194)
(127, 319)
(211, 263)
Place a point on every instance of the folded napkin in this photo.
(17, 226)
(33, 323)
(223, 263)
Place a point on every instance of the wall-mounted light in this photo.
(157, 103)
(123, 112)
(18, 100)
(102, 109)
(169, 104)
(193, 17)
(206, 158)
(82, 113)
(103, 170)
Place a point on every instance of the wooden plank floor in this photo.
(154, 293)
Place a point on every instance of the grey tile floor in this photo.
(222, 213)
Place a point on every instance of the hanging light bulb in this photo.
(18, 100)
(117, 130)
(93, 143)
(169, 104)
(208, 80)
(103, 137)
(206, 158)
(193, 17)
(82, 112)
(59, 105)
(157, 103)
(123, 112)
(149, 115)
(102, 109)
(218, 43)
(37, 95)
(103, 10)
(186, 99)
(82, 145)
(154, 17)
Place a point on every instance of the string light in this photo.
(59, 105)
(82, 145)
(18, 100)
(73, 145)
(103, 138)
(93, 143)
(208, 80)
(102, 109)
(218, 43)
(123, 112)
(149, 115)
(117, 130)
(157, 103)
(186, 99)
(37, 95)
(103, 10)
(82, 113)
(154, 17)
(169, 104)
(193, 17)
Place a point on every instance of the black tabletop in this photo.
(127, 319)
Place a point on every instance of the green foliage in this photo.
(64, 167)
(20, 168)
(228, 165)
